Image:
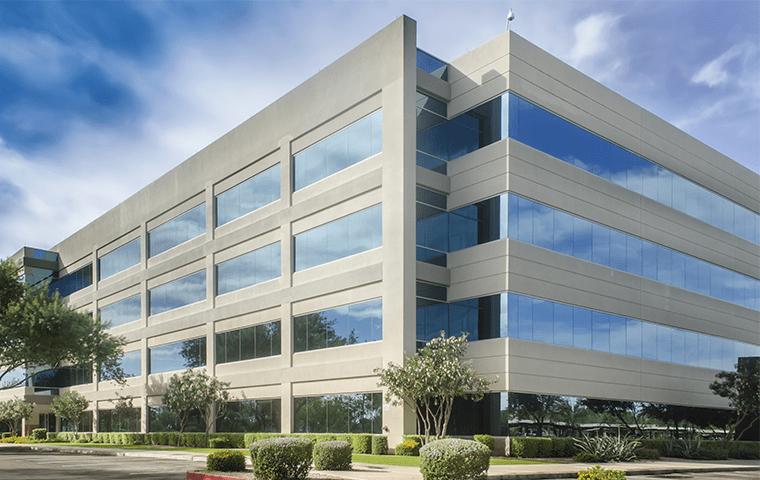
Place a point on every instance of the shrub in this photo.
(583, 457)
(454, 459)
(225, 461)
(486, 440)
(744, 450)
(647, 454)
(281, 458)
(193, 440)
(38, 434)
(531, 447)
(657, 444)
(379, 445)
(171, 438)
(52, 437)
(598, 473)
(607, 448)
(9, 434)
(409, 448)
(563, 447)
(332, 456)
(361, 443)
(219, 443)
(694, 450)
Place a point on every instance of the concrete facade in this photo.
(382, 73)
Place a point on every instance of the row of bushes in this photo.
(541, 447)
(360, 442)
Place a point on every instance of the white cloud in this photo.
(593, 37)
(714, 73)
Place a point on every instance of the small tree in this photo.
(15, 410)
(742, 389)
(431, 379)
(71, 406)
(195, 390)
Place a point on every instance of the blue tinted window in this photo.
(352, 413)
(257, 341)
(177, 231)
(347, 325)
(177, 356)
(432, 65)
(120, 259)
(178, 293)
(346, 236)
(250, 195)
(121, 312)
(249, 269)
(72, 282)
(351, 145)
(131, 365)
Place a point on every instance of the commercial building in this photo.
(590, 249)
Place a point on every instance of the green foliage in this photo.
(656, 444)
(8, 434)
(486, 440)
(583, 457)
(694, 450)
(192, 440)
(219, 443)
(647, 454)
(742, 389)
(361, 443)
(332, 456)
(608, 448)
(744, 450)
(13, 411)
(195, 390)
(454, 459)
(431, 379)
(379, 445)
(281, 458)
(531, 447)
(598, 473)
(563, 447)
(39, 434)
(225, 461)
(70, 405)
(34, 324)
(408, 448)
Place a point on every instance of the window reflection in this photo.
(254, 193)
(122, 312)
(177, 231)
(347, 325)
(257, 341)
(120, 259)
(72, 282)
(177, 356)
(352, 413)
(249, 416)
(178, 293)
(249, 269)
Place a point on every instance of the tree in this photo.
(624, 412)
(195, 390)
(15, 410)
(540, 408)
(431, 379)
(38, 330)
(71, 406)
(742, 389)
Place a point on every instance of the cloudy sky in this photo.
(99, 99)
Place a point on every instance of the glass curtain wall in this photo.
(254, 193)
(177, 356)
(120, 259)
(351, 413)
(177, 231)
(250, 269)
(122, 312)
(250, 416)
(346, 325)
(256, 341)
(178, 293)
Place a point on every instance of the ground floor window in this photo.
(127, 420)
(351, 413)
(248, 416)
(84, 425)
(160, 419)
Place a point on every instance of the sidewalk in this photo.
(363, 471)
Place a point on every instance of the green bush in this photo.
(332, 455)
(37, 434)
(563, 447)
(695, 450)
(361, 443)
(281, 458)
(379, 445)
(9, 434)
(454, 459)
(225, 461)
(608, 448)
(52, 437)
(598, 473)
(531, 447)
(193, 440)
(409, 448)
(219, 443)
(486, 440)
(647, 454)
(656, 444)
(744, 450)
(583, 457)
(171, 438)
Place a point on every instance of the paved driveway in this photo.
(42, 465)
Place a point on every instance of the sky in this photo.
(97, 100)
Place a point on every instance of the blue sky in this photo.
(99, 99)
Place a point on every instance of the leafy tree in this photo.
(71, 406)
(195, 390)
(125, 415)
(539, 408)
(624, 412)
(38, 330)
(13, 411)
(742, 389)
(431, 379)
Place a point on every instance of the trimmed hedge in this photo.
(37, 434)
(486, 440)
(281, 458)
(379, 445)
(647, 454)
(332, 455)
(361, 443)
(531, 447)
(454, 459)
(225, 461)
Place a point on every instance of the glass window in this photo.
(257, 341)
(121, 312)
(254, 193)
(351, 145)
(72, 282)
(432, 65)
(250, 269)
(251, 416)
(352, 413)
(177, 231)
(346, 236)
(130, 364)
(178, 293)
(347, 325)
(120, 259)
(177, 356)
